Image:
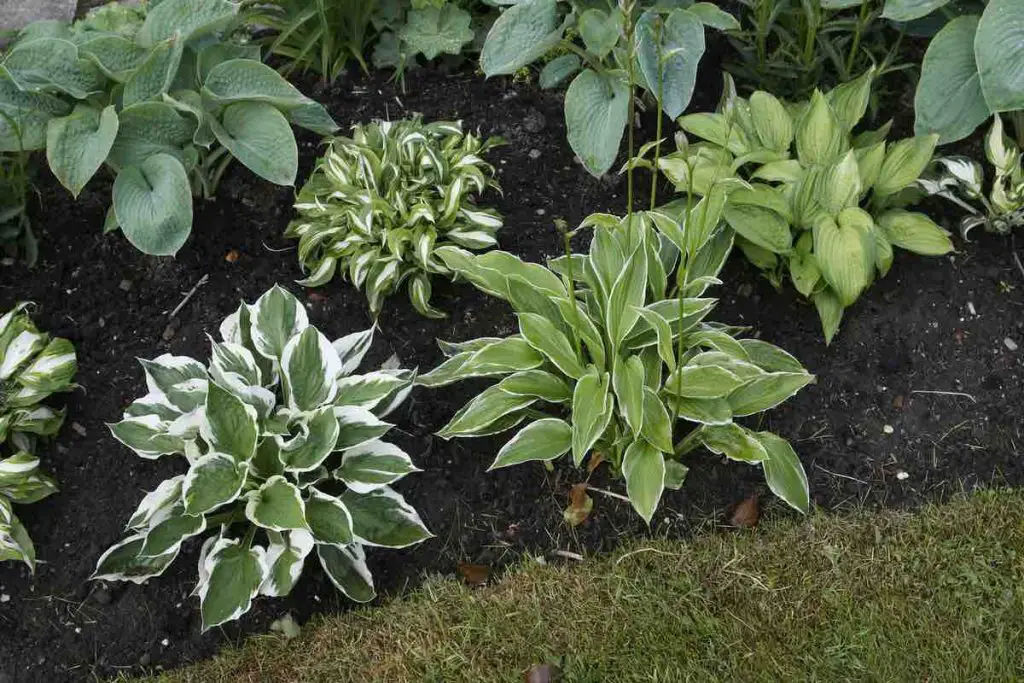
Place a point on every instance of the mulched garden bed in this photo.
(919, 396)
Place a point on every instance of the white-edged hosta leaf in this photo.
(484, 410)
(157, 503)
(783, 472)
(643, 467)
(357, 426)
(234, 575)
(544, 439)
(767, 391)
(285, 558)
(328, 519)
(702, 381)
(309, 366)
(212, 480)
(121, 562)
(592, 408)
(229, 425)
(369, 390)
(147, 436)
(318, 437)
(769, 357)
(734, 442)
(347, 570)
(352, 348)
(383, 518)
(707, 411)
(277, 316)
(628, 384)
(373, 464)
(657, 427)
(277, 504)
(168, 535)
(544, 335)
(539, 384)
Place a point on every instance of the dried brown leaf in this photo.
(580, 505)
(747, 513)
(474, 574)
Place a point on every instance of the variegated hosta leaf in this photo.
(277, 412)
(15, 543)
(382, 202)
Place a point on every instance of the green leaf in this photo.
(770, 357)
(544, 439)
(373, 464)
(773, 123)
(949, 100)
(309, 369)
(285, 558)
(156, 74)
(1000, 54)
(628, 383)
(229, 426)
(277, 505)
(483, 411)
(357, 425)
(596, 109)
(592, 408)
(116, 56)
(277, 316)
(187, 18)
(308, 451)
(153, 205)
(908, 10)
(599, 30)
(76, 145)
(707, 411)
(762, 226)
(665, 349)
(544, 336)
(845, 253)
(643, 467)
(915, 232)
(702, 381)
(839, 186)
(51, 369)
(383, 518)
(328, 519)
(904, 163)
(675, 50)
(625, 298)
(149, 128)
(767, 391)
(147, 436)
(42, 64)
(168, 535)
(850, 100)
(558, 70)
(830, 311)
(523, 33)
(233, 575)
(784, 473)
(675, 474)
(259, 136)
(657, 427)
(734, 442)
(213, 479)
(537, 383)
(719, 129)
(122, 562)
(346, 567)
(435, 30)
(710, 15)
(29, 114)
(820, 136)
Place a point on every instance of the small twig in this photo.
(202, 281)
(843, 476)
(944, 393)
(609, 493)
(568, 554)
(642, 550)
(277, 251)
(1019, 264)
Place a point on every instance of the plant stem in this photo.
(657, 134)
(571, 286)
(627, 10)
(855, 45)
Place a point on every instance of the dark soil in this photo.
(933, 325)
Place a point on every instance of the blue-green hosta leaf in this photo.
(783, 471)
(153, 205)
(147, 436)
(904, 163)
(1000, 54)
(767, 391)
(915, 232)
(628, 383)
(309, 368)
(383, 518)
(229, 425)
(122, 562)
(544, 336)
(76, 145)
(734, 442)
(258, 135)
(523, 33)
(328, 519)
(148, 128)
(487, 408)
(435, 30)
(233, 576)
(277, 316)
(544, 439)
(643, 467)
(908, 10)
(29, 114)
(657, 427)
(116, 56)
(373, 464)
(155, 75)
(710, 15)
(558, 70)
(157, 504)
(167, 535)
(352, 348)
(538, 383)
(596, 109)
(599, 30)
(949, 100)
(52, 369)
(347, 570)
(217, 53)
(316, 441)
(592, 410)
(44, 64)
(675, 49)
(277, 505)
(246, 80)
(285, 558)
(187, 18)
(213, 480)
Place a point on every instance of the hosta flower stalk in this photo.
(381, 202)
(614, 358)
(33, 366)
(284, 453)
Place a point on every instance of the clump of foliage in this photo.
(972, 67)
(380, 203)
(613, 359)
(33, 366)
(322, 36)
(652, 45)
(807, 198)
(284, 453)
(792, 47)
(961, 180)
(15, 227)
(165, 101)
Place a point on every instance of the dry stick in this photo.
(944, 393)
(202, 281)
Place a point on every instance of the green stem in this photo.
(250, 534)
(855, 45)
(657, 134)
(571, 286)
(628, 12)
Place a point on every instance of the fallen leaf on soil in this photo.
(317, 297)
(897, 402)
(474, 574)
(231, 256)
(542, 673)
(580, 505)
(595, 461)
(746, 514)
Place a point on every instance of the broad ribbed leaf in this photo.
(234, 574)
(383, 518)
(999, 49)
(520, 35)
(76, 145)
(153, 205)
(259, 136)
(596, 109)
(544, 439)
(592, 408)
(949, 100)
(674, 46)
(783, 471)
(643, 467)
(277, 504)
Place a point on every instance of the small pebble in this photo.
(1010, 344)
(125, 285)
(535, 154)
(541, 212)
(970, 307)
(79, 429)
(5, 598)
(888, 429)
(165, 642)
(901, 475)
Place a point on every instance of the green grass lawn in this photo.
(936, 595)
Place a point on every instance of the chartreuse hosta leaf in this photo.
(804, 197)
(282, 441)
(381, 203)
(33, 366)
(165, 99)
(617, 363)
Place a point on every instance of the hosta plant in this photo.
(165, 102)
(817, 203)
(613, 359)
(380, 203)
(282, 443)
(33, 366)
(961, 180)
